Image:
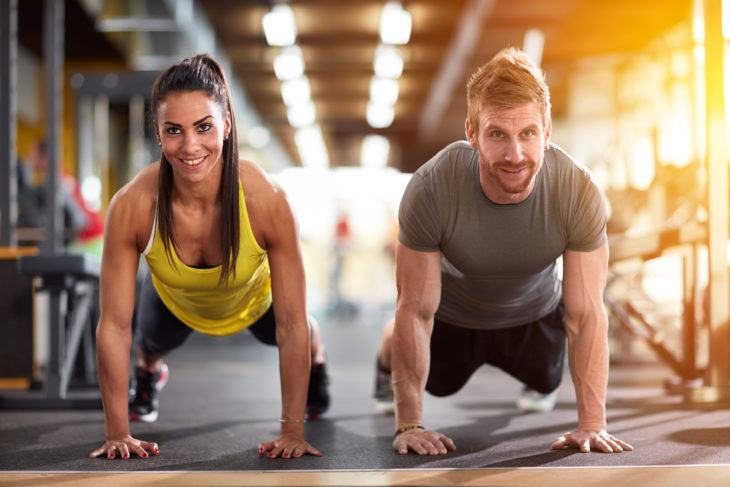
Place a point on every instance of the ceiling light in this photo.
(280, 28)
(310, 145)
(257, 137)
(388, 62)
(374, 151)
(289, 64)
(296, 91)
(379, 116)
(301, 115)
(533, 44)
(383, 90)
(395, 24)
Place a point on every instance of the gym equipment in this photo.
(72, 282)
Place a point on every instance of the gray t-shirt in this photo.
(498, 264)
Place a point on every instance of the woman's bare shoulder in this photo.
(266, 202)
(133, 206)
(142, 187)
(257, 184)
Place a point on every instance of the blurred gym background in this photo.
(341, 102)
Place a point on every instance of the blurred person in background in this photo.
(340, 247)
(80, 222)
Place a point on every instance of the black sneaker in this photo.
(144, 403)
(384, 398)
(318, 396)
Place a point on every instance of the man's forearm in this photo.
(408, 401)
(588, 353)
(410, 362)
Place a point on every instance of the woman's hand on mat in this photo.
(287, 446)
(423, 442)
(124, 446)
(586, 440)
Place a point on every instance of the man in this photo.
(482, 226)
(32, 195)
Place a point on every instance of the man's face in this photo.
(510, 143)
(38, 159)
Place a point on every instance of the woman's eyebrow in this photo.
(194, 123)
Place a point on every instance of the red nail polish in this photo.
(144, 455)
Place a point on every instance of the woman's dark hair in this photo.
(201, 73)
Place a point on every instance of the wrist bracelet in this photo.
(408, 428)
(282, 420)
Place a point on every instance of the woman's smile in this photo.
(193, 162)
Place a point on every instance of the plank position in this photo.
(482, 225)
(223, 250)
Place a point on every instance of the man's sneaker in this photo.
(144, 403)
(384, 399)
(318, 396)
(536, 402)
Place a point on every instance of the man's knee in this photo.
(547, 384)
(545, 379)
(445, 385)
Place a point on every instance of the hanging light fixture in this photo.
(395, 24)
(289, 64)
(388, 62)
(280, 28)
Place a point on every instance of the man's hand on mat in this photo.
(124, 446)
(586, 440)
(287, 447)
(423, 442)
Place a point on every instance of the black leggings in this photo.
(159, 331)
(532, 353)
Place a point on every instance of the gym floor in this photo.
(222, 399)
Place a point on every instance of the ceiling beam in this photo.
(452, 68)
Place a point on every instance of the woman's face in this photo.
(191, 128)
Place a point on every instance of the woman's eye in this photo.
(204, 127)
(173, 130)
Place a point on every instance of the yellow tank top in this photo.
(193, 294)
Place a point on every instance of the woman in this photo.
(223, 250)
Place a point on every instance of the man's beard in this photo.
(494, 172)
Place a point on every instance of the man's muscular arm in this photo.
(418, 278)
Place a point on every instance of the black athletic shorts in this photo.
(159, 331)
(532, 353)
